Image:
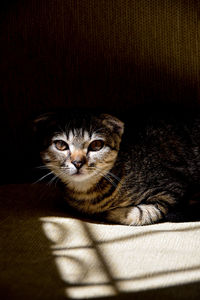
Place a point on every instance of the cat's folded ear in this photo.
(113, 123)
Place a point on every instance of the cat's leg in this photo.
(142, 214)
(150, 211)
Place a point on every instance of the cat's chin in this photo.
(78, 177)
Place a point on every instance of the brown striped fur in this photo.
(136, 182)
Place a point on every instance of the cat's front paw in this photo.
(143, 214)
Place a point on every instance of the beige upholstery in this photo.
(46, 254)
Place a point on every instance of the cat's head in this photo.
(79, 148)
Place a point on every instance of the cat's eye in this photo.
(96, 145)
(61, 145)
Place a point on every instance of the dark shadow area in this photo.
(27, 267)
(109, 54)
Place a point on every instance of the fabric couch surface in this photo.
(48, 253)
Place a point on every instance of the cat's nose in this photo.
(78, 163)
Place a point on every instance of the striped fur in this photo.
(134, 183)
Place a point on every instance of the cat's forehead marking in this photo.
(70, 136)
(86, 135)
(78, 135)
(61, 136)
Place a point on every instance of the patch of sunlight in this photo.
(94, 291)
(96, 260)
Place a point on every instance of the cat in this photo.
(135, 178)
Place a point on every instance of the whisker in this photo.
(52, 180)
(43, 177)
(105, 176)
(46, 166)
(114, 176)
(41, 167)
(56, 177)
(110, 180)
(111, 174)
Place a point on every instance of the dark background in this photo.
(113, 54)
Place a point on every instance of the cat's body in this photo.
(136, 181)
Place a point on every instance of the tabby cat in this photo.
(133, 179)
